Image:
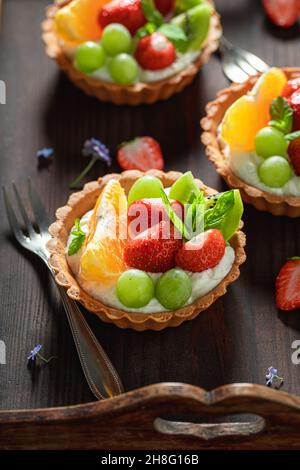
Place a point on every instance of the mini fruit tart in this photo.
(131, 51)
(147, 250)
(252, 136)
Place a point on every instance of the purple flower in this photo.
(97, 150)
(272, 378)
(44, 153)
(34, 352)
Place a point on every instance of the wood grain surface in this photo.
(241, 335)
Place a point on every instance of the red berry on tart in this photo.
(154, 249)
(155, 52)
(129, 13)
(202, 252)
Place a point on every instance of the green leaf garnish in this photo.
(194, 216)
(292, 136)
(176, 35)
(145, 30)
(282, 115)
(177, 222)
(77, 240)
(294, 258)
(151, 13)
(215, 215)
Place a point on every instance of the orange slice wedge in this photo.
(247, 115)
(102, 260)
(78, 21)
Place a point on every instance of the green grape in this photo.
(183, 188)
(89, 56)
(116, 39)
(123, 69)
(275, 172)
(145, 187)
(173, 289)
(269, 142)
(135, 288)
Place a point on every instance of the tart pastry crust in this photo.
(261, 200)
(135, 94)
(81, 202)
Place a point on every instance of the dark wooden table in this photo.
(241, 335)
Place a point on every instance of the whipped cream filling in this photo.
(245, 166)
(202, 283)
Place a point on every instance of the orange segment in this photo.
(102, 260)
(78, 21)
(247, 115)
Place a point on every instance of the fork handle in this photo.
(99, 372)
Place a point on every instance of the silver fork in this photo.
(99, 372)
(238, 64)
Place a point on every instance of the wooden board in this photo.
(241, 335)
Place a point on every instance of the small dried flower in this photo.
(273, 379)
(44, 153)
(35, 353)
(97, 151)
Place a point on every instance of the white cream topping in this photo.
(202, 283)
(245, 166)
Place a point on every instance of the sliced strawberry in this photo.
(145, 213)
(294, 102)
(290, 87)
(294, 154)
(202, 252)
(288, 286)
(282, 13)
(153, 250)
(127, 12)
(165, 6)
(142, 153)
(155, 52)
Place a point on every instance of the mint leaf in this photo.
(151, 13)
(294, 258)
(282, 115)
(194, 216)
(292, 136)
(145, 30)
(78, 238)
(176, 35)
(177, 222)
(214, 216)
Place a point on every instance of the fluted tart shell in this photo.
(81, 202)
(139, 93)
(215, 111)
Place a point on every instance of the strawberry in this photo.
(154, 249)
(165, 6)
(155, 52)
(290, 87)
(288, 286)
(282, 12)
(127, 12)
(202, 252)
(142, 153)
(294, 102)
(294, 154)
(144, 213)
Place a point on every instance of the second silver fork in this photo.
(238, 64)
